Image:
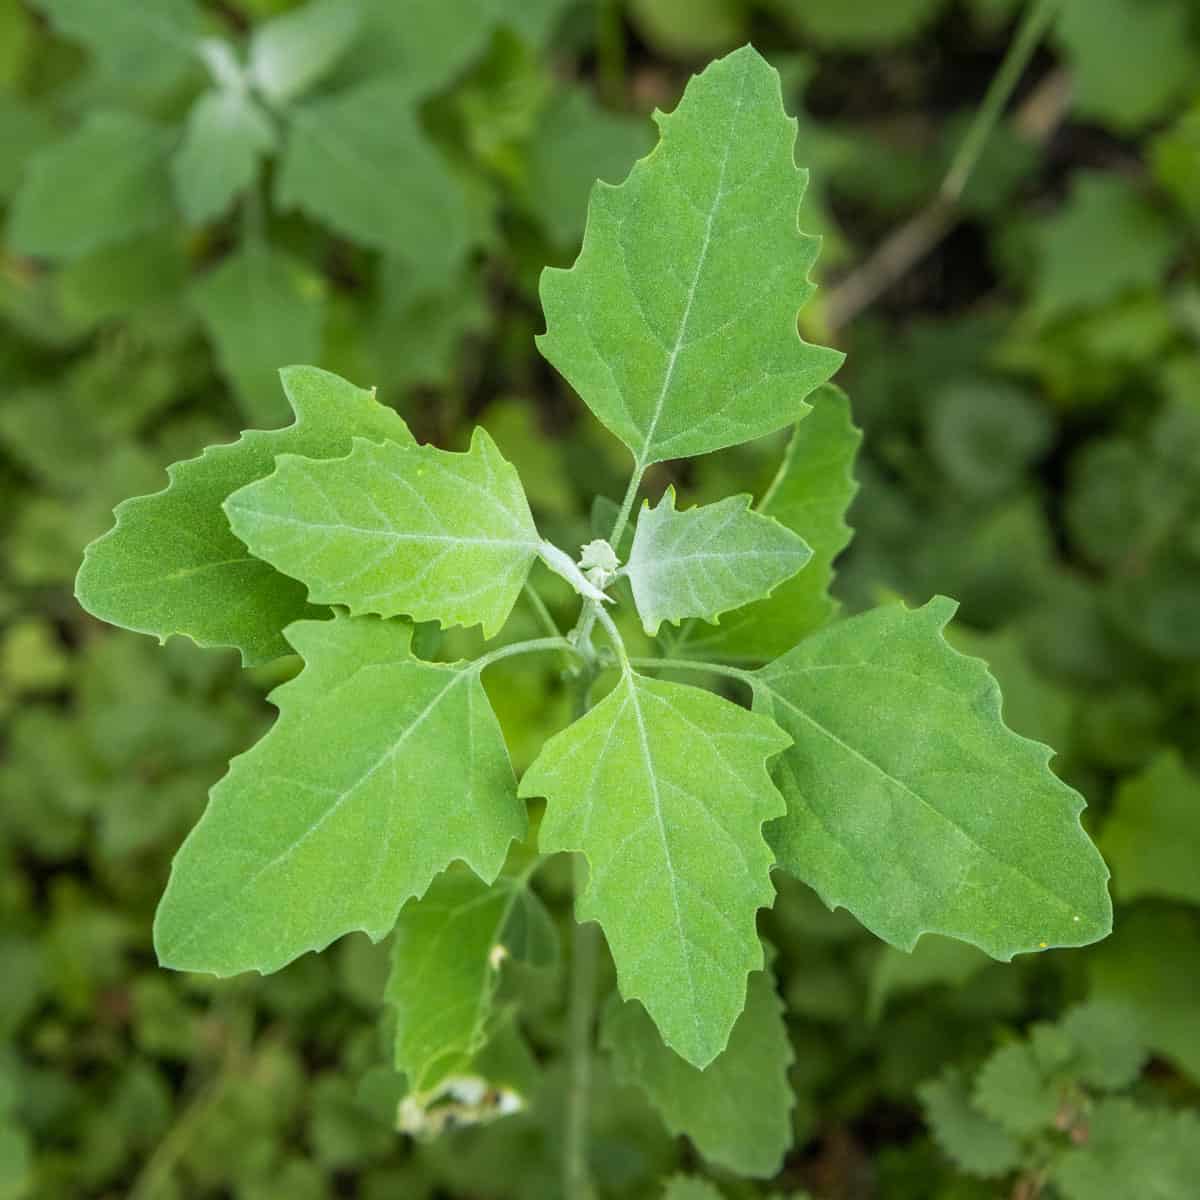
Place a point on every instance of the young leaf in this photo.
(810, 495)
(171, 564)
(912, 805)
(67, 208)
(1012, 1091)
(1132, 1151)
(261, 307)
(329, 825)
(394, 529)
(706, 560)
(1152, 836)
(738, 1110)
(677, 323)
(973, 1141)
(446, 957)
(664, 788)
(227, 135)
(291, 52)
(358, 162)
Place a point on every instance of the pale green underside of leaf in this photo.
(359, 163)
(911, 804)
(394, 529)
(737, 1111)
(172, 565)
(664, 788)
(677, 323)
(226, 137)
(66, 208)
(380, 771)
(706, 560)
(810, 495)
(261, 307)
(974, 1142)
(444, 975)
(291, 52)
(1152, 836)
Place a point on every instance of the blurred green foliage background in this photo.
(196, 192)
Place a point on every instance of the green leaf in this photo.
(66, 207)
(394, 529)
(1012, 1091)
(655, 785)
(737, 1111)
(1103, 210)
(1132, 1151)
(328, 825)
(677, 323)
(171, 563)
(446, 957)
(1130, 60)
(1152, 836)
(1110, 1054)
(24, 130)
(706, 560)
(809, 495)
(933, 960)
(291, 52)
(226, 137)
(261, 307)
(149, 45)
(358, 162)
(977, 1144)
(575, 143)
(1145, 976)
(912, 805)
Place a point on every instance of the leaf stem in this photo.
(688, 664)
(534, 646)
(614, 636)
(566, 568)
(635, 482)
(549, 624)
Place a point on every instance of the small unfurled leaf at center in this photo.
(704, 561)
(394, 529)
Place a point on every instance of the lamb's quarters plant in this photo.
(873, 762)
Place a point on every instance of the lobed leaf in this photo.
(664, 788)
(1013, 1091)
(172, 565)
(737, 1111)
(809, 495)
(912, 805)
(677, 323)
(330, 824)
(394, 529)
(706, 560)
(976, 1143)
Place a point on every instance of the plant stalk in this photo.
(581, 1013)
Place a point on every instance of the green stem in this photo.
(687, 664)
(635, 482)
(1033, 24)
(534, 646)
(549, 624)
(581, 1011)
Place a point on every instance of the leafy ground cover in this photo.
(197, 194)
